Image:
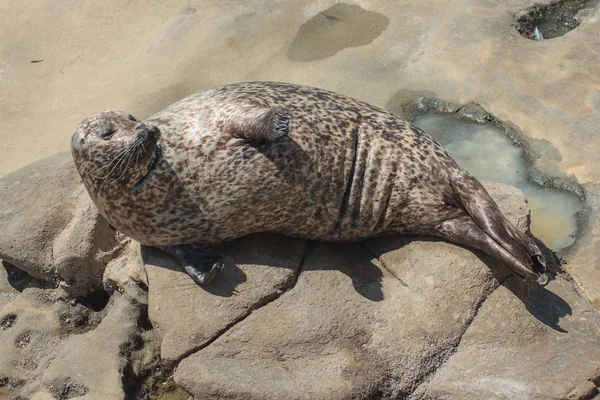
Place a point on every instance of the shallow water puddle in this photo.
(487, 153)
(334, 29)
(547, 21)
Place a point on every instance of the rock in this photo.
(187, 316)
(50, 348)
(30, 329)
(126, 269)
(469, 53)
(584, 391)
(351, 328)
(43, 396)
(537, 344)
(348, 329)
(92, 365)
(7, 291)
(50, 227)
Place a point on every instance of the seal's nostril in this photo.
(140, 126)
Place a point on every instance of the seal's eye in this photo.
(131, 118)
(107, 134)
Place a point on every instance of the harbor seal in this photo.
(276, 157)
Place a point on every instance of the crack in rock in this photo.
(280, 291)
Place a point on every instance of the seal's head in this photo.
(112, 147)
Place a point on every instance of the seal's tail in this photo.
(488, 229)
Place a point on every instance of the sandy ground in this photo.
(62, 60)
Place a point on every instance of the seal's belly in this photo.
(366, 187)
(345, 171)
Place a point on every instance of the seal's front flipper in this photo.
(255, 123)
(200, 262)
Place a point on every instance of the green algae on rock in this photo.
(547, 21)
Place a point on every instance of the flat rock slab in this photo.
(348, 329)
(50, 227)
(379, 320)
(538, 344)
(188, 316)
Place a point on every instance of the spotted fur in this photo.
(344, 170)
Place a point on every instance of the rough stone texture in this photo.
(38, 322)
(95, 361)
(53, 348)
(50, 227)
(43, 396)
(468, 51)
(537, 344)
(463, 52)
(350, 328)
(188, 316)
(7, 291)
(126, 269)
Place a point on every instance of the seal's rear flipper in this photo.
(462, 230)
(201, 263)
(254, 123)
(485, 213)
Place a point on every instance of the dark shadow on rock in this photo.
(19, 279)
(226, 280)
(261, 250)
(544, 305)
(95, 301)
(353, 260)
(223, 285)
(395, 242)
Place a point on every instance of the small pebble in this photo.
(543, 279)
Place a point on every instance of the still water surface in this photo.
(487, 153)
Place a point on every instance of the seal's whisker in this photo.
(125, 162)
(118, 161)
(118, 164)
(133, 153)
(110, 164)
(124, 156)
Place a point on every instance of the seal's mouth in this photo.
(145, 142)
(147, 135)
(140, 184)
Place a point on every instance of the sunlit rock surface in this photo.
(73, 60)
